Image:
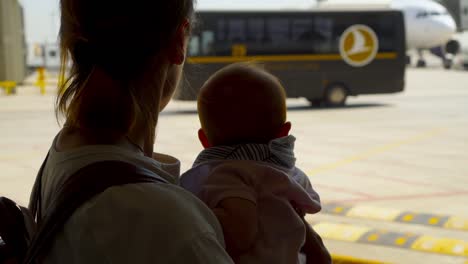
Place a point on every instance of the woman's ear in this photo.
(203, 138)
(284, 130)
(178, 48)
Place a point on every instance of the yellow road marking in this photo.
(408, 217)
(396, 215)
(434, 221)
(338, 259)
(339, 209)
(367, 235)
(374, 213)
(400, 241)
(376, 151)
(373, 237)
(341, 232)
(441, 245)
(457, 223)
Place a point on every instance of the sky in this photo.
(42, 16)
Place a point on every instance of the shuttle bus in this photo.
(323, 56)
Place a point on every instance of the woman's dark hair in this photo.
(121, 38)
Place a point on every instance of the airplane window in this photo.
(435, 14)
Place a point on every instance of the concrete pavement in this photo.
(404, 152)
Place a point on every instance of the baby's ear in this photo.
(284, 130)
(203, 138)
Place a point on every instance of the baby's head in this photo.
(242, 104)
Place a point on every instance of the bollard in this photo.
(9, 86)
(41, 80)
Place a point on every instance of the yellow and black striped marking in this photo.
(395, 215)
(411, 241)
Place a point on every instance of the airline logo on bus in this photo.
(359, 45)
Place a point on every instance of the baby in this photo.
(247, 173)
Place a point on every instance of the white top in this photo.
(266, 176)
(135, 223)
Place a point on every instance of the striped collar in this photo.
(278, 152)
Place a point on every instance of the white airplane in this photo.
(429, 25)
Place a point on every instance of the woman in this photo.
(127, 60)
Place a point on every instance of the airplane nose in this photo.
(445, 28)
(448, 26)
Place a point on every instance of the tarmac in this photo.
(392, 170)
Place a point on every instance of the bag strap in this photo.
(79, 188)
(35, 202)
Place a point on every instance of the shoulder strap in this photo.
(79, 188)
(36, 196)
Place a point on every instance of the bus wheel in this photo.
(336, 95)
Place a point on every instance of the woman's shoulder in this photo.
(151, 221)
(158, 205)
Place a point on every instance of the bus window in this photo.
(255, 30)
(324, 40)
(221, 30)
(207, 43)
(324, 26)
(386, 34)
(236, 30)
(194, 46)
(302, 30)
(278, 31)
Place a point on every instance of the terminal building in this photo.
(12, 41)
(45, 55)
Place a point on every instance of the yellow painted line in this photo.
(441, 245)
(456, 222)
(280, 58)
(341, 232)
(339, 259)
(374, 213)
(378, 237)
(396, 215)
(376, 151)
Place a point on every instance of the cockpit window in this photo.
(422, 14)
